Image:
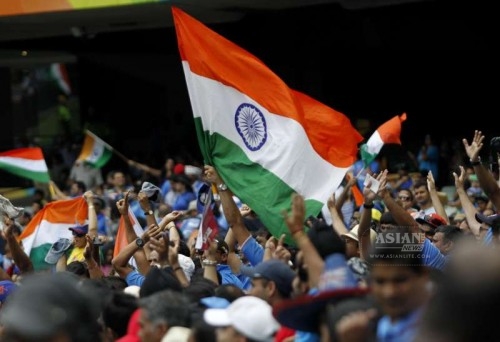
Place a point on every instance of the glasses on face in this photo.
(78, 235)
(404, 198)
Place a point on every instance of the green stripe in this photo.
(42, 177)
(106, 156)
(366, 156)
(254, 185)
(37, 256)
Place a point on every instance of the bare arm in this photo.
(486, 180)
(467, 206)
(231, 211)
(436, 202)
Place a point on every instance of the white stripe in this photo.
(287, 153)
(374, 144)
(27, 164)
(47, 232)
(97, 151)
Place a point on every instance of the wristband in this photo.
(209, 262)
(475, 163)
(368, 206)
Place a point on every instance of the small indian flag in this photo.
(388, 133)
(60, 74)
(95, 151)
(26, 162)
(266, 141)
(121, 236)
(49, 225)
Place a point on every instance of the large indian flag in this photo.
(266, 140)
(49, 225)
(95, 151)
(26, 162)
(387, 133)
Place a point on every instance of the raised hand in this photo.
(475, 146)
(295, 220)
(122, 204)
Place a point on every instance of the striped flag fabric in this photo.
(60, 75)
(387, 133)
(121, 236)
(95, 151)
(50, 224)
(266, 140)
(26, 162)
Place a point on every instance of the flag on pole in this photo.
(121, 236)
(50, 224)
(266, 140)
(95, 151)
(26, 162)
(388, 133)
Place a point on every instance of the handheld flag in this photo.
(26, 162)
(50, 224)
(121, 235)
(209, 228)
(388, 133)
(95, 151)
(266, 140)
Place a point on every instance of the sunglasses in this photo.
(404, 198)
(78, 235)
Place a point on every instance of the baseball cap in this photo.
(434, 220)
(337, 282)
(275, 270)
(152, 191)
(249, 315)
(80, 229)
(490, 220)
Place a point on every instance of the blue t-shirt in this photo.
(403, 330)
(134, 278)
(432, 257)
(253, 251)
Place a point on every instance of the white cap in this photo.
(353, 234)
(132, 290)
(187, 265)
(249, 315)
(177, 334)
(191, 170)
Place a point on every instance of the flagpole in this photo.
(119, 154)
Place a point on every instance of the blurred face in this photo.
(79, 240)
(228, 334)
(351, 247)
(149, 331)
(427, 230)
(422, 195)
(398, 289)
(438, 241)
(405, 199)
(260, 289)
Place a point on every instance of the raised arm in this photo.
(486, 180)
(467, 206)
(231, 211)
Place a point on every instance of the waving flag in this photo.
(388, 133)
(95, 151)
(266, 140)
(26, 162)
(49, 225)
(121, 236)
